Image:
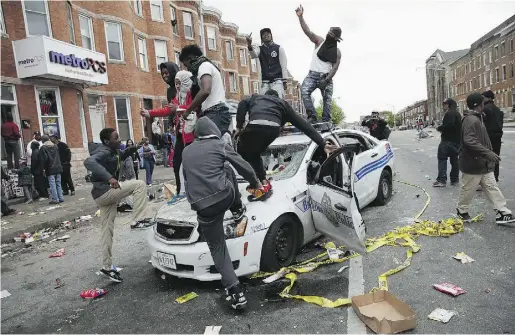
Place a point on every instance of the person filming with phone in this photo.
(377, 126)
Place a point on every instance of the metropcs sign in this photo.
(41, 56)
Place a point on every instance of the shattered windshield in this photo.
(282, 162)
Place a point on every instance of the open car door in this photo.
(334, 207)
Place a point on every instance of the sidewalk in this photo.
(39, 215)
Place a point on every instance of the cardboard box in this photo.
(382, 312)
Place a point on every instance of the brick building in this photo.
(75, 67)
(411, 114)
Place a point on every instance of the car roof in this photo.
(299, 138)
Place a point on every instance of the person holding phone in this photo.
(376, 125)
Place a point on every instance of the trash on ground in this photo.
(384, 313)
(97, 213)
(67, 224)
(29, 240)
(52, 208)
(343, 268)
(441, 315)
(163, 277)
(63, 238)
(59, 283)
(5, 294)
(83, 218)
(168, 191)
(212, 330)
(93, 293)
(80, 199)
(58, 253)
(143, 223)
(449, 289)
(21, 213)
(278, 275)
(186, 297)
(488, 290)
(32, 214)
(461, 256)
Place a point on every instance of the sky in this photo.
(385, 43)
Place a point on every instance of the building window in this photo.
(138, 7)
(86, 32)
(245, 83)
(480, 81)
(188, 25)
(2, 21)
(497, 75)
(255, 87)
(211, 38)
(37, 21)
(156, 10)
(114, 41)
(49, 108)
(484, 58)
(503, 49)
(253, 65)
(229, 50)
(233, 82)
(496, 52)
(490, 56)
(504, 77)
(511, 72)
(70, 22)
(161, 52)
(491, 78)
(511, 46)
(142, 50)
(173, 15)
(123, 118)
(243, 57)
(177, 61)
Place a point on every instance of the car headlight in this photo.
(236, 229)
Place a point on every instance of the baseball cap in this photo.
(474, 100)
(489, 94)
(265, 30)
(337, 32)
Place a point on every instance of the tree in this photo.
(398, 120)
(390, 119)
(337, 114)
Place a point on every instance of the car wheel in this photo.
(280, 245)
(384, 192)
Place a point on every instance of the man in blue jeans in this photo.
(49, 158)
(450, 145)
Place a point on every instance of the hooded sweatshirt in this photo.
(451, 124)
(207, 181)
(494, 119)
(49, 156)
(172, 71)
(476, 150)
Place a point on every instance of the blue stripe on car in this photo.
(372, 166)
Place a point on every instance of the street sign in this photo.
(102, 108)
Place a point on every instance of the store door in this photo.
(9, 106)
(50, 112)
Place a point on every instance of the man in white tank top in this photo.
(324, 64)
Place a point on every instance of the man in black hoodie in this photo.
(450, 144)
(494, 121)
(65, 155)
(212, 189)
(377, 126)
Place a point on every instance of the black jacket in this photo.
(451, 124)
(274, 111)
(24, 176)
(65, 154)
(49, 157)
(36, 166)
(376, 127)
(494, 119)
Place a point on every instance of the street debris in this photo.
(29, 240)
(143, 223)
(97, 213)
(67, 224)
(21, 213)
(58, 253)
(80, 199)
(441, 315)
(5, 294)
(212, 330)
(278, 275)
(83, 218)
(449, 289)
(63, 238)
(186, 297)
(59, 283)
(32, 214)
(461, 256)
(93, 293)
(163, 277)
(53, 207)
(488, 290)
(343, 268)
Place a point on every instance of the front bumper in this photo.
(194, 260)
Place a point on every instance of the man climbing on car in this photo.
(267, 114)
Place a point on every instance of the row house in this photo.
(414, 112)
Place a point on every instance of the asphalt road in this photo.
(145, 303)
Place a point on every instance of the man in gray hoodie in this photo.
(212, 189)
(477, 162)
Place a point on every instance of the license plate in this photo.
(166, 260)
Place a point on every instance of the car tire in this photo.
(281, 244)
(384, 189)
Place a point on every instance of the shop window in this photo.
(86, 32)
(211, 38)
(142, 49)
(37, 21)
(173, 15)
(123, 117)
(188, 25)
(156, 10)
(70, 22)
(138, 8)
(245, 83)
(114, 41)
(50, 112)
(161, 53)
(9, 107)
(2, 21)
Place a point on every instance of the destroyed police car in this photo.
(312, 194)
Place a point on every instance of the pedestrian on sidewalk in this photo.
(273, 61)
(134, 158)
(477, 162)
(212, 190)
(25, 181)
(147, 154)
(156, 132)
(108, 192)
(65, 155)
(449, 147)
(494, 122)
(35, 138)
(324, 65)
(51, 163)
(38, 171)
(6, 210)
(11, 135)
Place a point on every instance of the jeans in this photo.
(311, 83)
(276, 86)
(148, 164)
(165, 151)
(56, 191)
(448, 150)
(496, 147)
(220, 115)
(12, 149)
(66, 178)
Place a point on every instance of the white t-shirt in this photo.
(217, 87)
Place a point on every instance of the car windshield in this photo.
(283, 161)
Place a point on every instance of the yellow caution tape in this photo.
(187, 297)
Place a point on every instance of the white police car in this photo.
(312, 195)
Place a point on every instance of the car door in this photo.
(334, 209)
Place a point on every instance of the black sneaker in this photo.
(438, 184)
(454, 183)
(238, 214)
(236, 297)
(504, 218)
(464, 216)
(112, 274)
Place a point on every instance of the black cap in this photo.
(265, 30)
(489, 94)
(474, 100)
(337, 32)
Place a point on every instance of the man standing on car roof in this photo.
(267, 114)
(273, 61)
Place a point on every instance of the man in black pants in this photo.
(494, 121)
(267, 114)
(65, 155)
(450, 145)
(212, 189)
